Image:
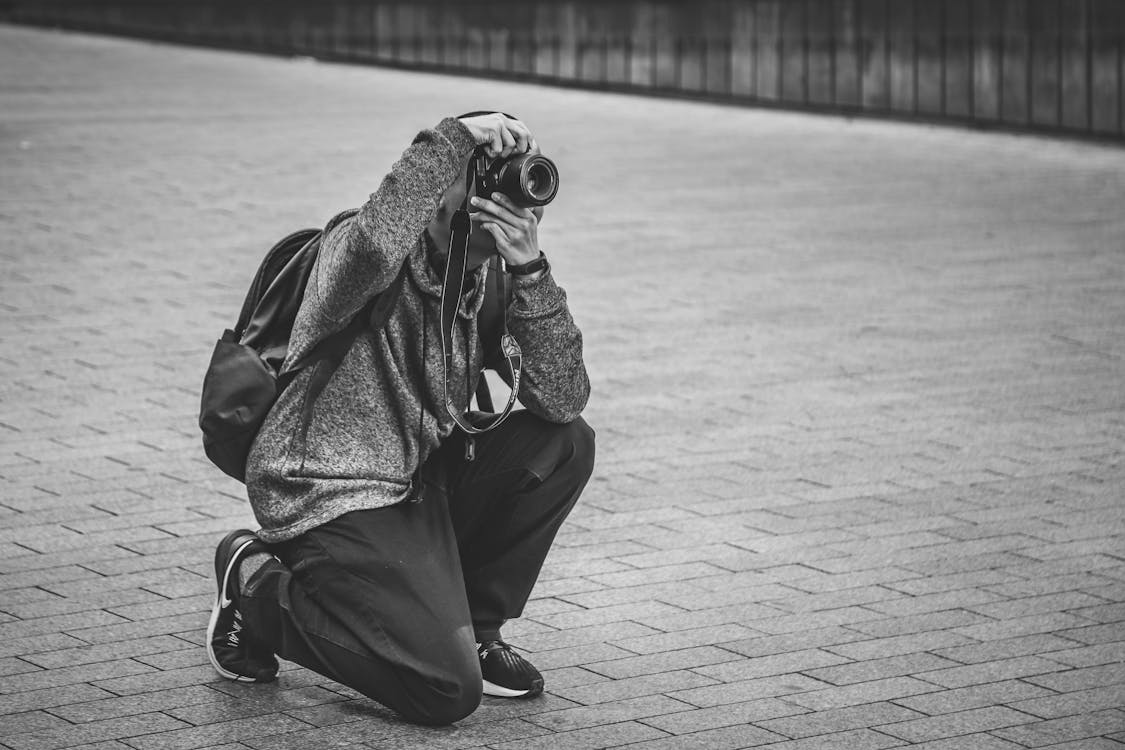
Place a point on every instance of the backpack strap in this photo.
(329, 353)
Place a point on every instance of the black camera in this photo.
(529, 180)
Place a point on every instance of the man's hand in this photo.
(502, 136)
(516, 230)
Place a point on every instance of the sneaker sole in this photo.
(497, 691)
(220, 600)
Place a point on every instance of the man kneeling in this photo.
(354, 573)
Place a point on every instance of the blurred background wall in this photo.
(1053, 65)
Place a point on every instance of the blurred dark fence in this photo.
(1051, 65)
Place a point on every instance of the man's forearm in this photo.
(360, 258)
(555, 384)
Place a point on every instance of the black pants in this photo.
(391, 601)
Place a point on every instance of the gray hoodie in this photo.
(381, 415)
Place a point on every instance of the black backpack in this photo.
(245, 376)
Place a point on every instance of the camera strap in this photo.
(456, 264)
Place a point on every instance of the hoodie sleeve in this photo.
(360, 256)
(555, 385)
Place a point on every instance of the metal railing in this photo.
(1052, 65)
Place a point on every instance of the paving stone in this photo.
(165, 607)
(962, 723)
(1090, 656)
(799, 622)
(874, 669)
(151, 679)
(1052, 622)
(496, 709)
(570, 677)
(328, 714)
(220, 707)
(748, 712)
(113, 707)
(107, 652)
(122, 630)
(1090, 743)
(970, 599)
(1093, 634)
(824, 583)
(974, 696)
(491, 733)
(1006, 648)
(1080, 679)
(855, 739)
(755, 601)
(663, 592)
(608, 713)
(1083, 563)
(1068, 704)
(62, 676)
(1019, 587)
(84, 602)
(688, 658)
(50, 698)
(889, 689)
(903, 644)
(838, 720)
(131, 727)
(953, 618)
(991, 671)
(658, 575)
(585, 636)
(24, 561)
(662, 642)
(565, 586)
(1012, 608)
(747, 690)
(56, 623)
(577, 655)
(870, 596)
(192, 656)
(29, 721)
(827, 638)
(613, 735)
(631, 687)
(1068, 729)
(978, 741)
(194, 737)
(1109, 613)
(730, 738)
(614, 613)
(764, 666)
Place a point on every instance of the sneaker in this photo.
(234, 653)
(506, 673)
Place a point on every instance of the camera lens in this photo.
(540, 181)
(528, 179)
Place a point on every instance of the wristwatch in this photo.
(530, 267)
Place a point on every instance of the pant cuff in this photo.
(484, 633)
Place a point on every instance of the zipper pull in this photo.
(470, 449)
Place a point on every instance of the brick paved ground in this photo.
(858, 386)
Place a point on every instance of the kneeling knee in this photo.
(446, 704)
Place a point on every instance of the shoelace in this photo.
(488, 647)
(236, 628)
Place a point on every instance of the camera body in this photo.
(529, 180)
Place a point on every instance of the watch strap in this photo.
(530, 267)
